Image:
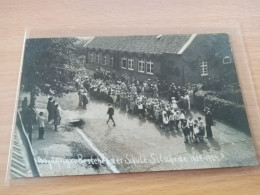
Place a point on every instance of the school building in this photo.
(182, 59)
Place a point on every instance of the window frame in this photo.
(204, 69)
(104, 59)
(150, 64)
(122, 62)
(132, 63)
(225, 58)
(112, 61)
(142, 62)
(91, 56)
(97, 58)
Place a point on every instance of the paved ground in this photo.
(56, 154)
(138, 145)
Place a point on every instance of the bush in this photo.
(224, 110)
(230, 95)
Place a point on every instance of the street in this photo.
(134, 145)
(139, 145)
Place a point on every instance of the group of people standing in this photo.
(30, 117)
(53, 113)
(170, 115)
(83, 100)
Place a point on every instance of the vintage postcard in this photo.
(119, 104)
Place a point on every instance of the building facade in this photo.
(180, 59)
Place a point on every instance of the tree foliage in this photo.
(46, 65)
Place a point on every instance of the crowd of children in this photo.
(143, 99)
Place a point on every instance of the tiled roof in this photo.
(151, 44)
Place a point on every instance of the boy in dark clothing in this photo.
(110, 113)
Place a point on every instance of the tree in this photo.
(46, 64)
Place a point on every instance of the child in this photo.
(196, 131)
(41, 120)
(177, 119)
(156, 113)
(166, 122)
(190, 126)
(160, 118)
(201, 129)
(168, 110)
(182, 116)
(185, 130)
(131, 106)
(140, 109)
(171, 121)
(174, 103)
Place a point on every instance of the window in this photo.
(104, 59)
(226, 60)
(204, 68)
(149, 67)
(141, 65)
(123, 63)
(112, 61)
(91, 57)
(97, 59)
(131, 64)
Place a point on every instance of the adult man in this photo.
(209, 122)
(110, 113)
(49, 109)
(30, 119)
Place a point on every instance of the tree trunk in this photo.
(33, 97)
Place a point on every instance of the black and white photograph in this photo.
(121, 104)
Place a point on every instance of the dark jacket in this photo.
(110, 111)
(85, 99)
(209, 119)
(49, 105)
